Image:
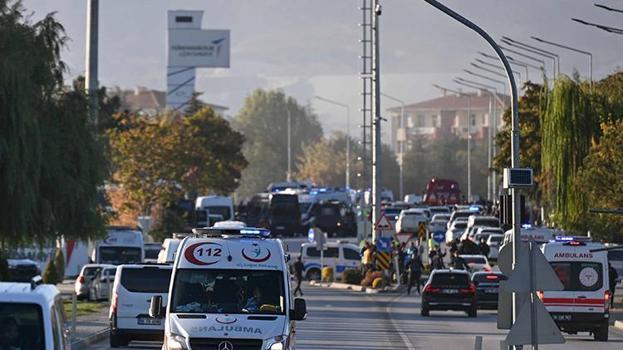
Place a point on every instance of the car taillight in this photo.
(539, 293)
(607, 296)
(430, 289)
(470, 289)
(81, 279)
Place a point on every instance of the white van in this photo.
(216, 208)
(131, 294)
(339, 255)
(122, 245)
(230, 289)
(583, 305)
(32, 316)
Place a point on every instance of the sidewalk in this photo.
(90, 329)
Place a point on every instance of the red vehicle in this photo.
(442, 192)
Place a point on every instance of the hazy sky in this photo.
(310, 47)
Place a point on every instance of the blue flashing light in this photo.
(255, 232)
(526, 226)
(474, 209)
(564, 238)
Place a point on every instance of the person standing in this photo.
(415, 273)
(484, 247)
(612, 276)
(298, 274)
(459, 263)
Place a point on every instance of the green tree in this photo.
(50, 274)
(602, 184)
(59, 262)
(264, 122)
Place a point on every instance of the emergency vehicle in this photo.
(339, 255)
(583, 305)
(230, 289)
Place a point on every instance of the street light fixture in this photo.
(534, 50)
(608, 8)
(542, 62)
(494, 66)
(401, 147)
(469, 136)
(590, 55)
(600, 26)
(343, 105)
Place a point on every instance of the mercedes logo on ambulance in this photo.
(225, 345)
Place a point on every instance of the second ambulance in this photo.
(230, 289)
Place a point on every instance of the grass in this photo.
(83, 307)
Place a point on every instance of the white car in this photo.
(99, 288)
(32, 316)
(131, 294)
(456, 229)
(495, 242)
(339, 255)
(476, 262)
(409, 220)
(83, 281)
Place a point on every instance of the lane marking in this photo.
(403, 336)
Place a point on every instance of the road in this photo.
(356, 321)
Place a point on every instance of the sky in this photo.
(311, 47)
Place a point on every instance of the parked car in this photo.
(131, 294)
(476, 262)
(99, 288)
(83, 281)
(487, 288)
(23, 270)
(449, 290)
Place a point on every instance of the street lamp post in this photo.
(469, 136)
(401, 143)
(91, 58)
(343, 105)
(590, 55)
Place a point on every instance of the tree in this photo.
(157, 160)
(264, 122)
(50, 274)
(600, 180)
(59, 262)
(323, 164)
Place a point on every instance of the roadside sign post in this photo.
(314, 234)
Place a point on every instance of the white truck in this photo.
(210, 209)
(122, 245)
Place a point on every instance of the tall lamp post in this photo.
(91, 58)
(343, 105)
(401, 143)
(469, 136)
(590, 55)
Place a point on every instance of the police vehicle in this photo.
(583, 305)
(32, 316)
(339, 255)
(230, 289)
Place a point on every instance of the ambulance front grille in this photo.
(214, 343)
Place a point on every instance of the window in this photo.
(23, 325)
(228, 291)
(146, 280)
(56, 329)
(434, 121)
(450, 279)
(351, 254)
(313, 252)
(120, 255)
(579, 276)
(472, 120)
(420, 121)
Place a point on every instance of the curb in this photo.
(84, 343)
(356, 288)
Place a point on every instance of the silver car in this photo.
(101, 284)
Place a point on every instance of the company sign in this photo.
(199, 48)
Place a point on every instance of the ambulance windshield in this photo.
(228, 291)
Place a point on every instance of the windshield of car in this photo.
(91, 271)
(460, 225)
(21, 326)
(496, 239)
(441, 218)
(474, 259)
(579, 276)
(146, 279)
(228, 291)
(151, 253)
(119, 255)
(484, 222)
(450, 279)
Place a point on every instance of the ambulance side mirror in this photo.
(155, 306)
(300, 310)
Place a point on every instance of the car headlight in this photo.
(176, 342)
(278, 343)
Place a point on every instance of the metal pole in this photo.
(514, 130)
(489, 151)
(74, 310)
(400, 143)
(590, 55)
(376, 125)
(90, 75)
(289, 174)
(469, 148)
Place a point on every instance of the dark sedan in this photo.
(487, 288)
(449, 290)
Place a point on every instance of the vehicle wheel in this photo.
(472, 312)
(313, 275)
(117, 340)
(601, 334)
(424, 311)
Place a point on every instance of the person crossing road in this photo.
(298, 274)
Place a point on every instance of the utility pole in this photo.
(469, 148)
(289, 175)
(376, 123)
(91, 59)
(401, 142)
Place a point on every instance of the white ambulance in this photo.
(230, 289)
(583, 305)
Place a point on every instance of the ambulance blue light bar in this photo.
(226, 231)
(572, 239)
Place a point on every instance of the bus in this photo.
(442, 192)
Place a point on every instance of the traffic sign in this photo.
(383, 224)
(546, 330)
(382, 260)
(439, 237)
(384, 244)
(544, 276)
(311, 235)
(505, 257)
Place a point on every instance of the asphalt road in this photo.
(356, 321)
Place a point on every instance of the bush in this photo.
(378, 283)
(352, 276)
(327, 274)
(50, 275)
(59, 261)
